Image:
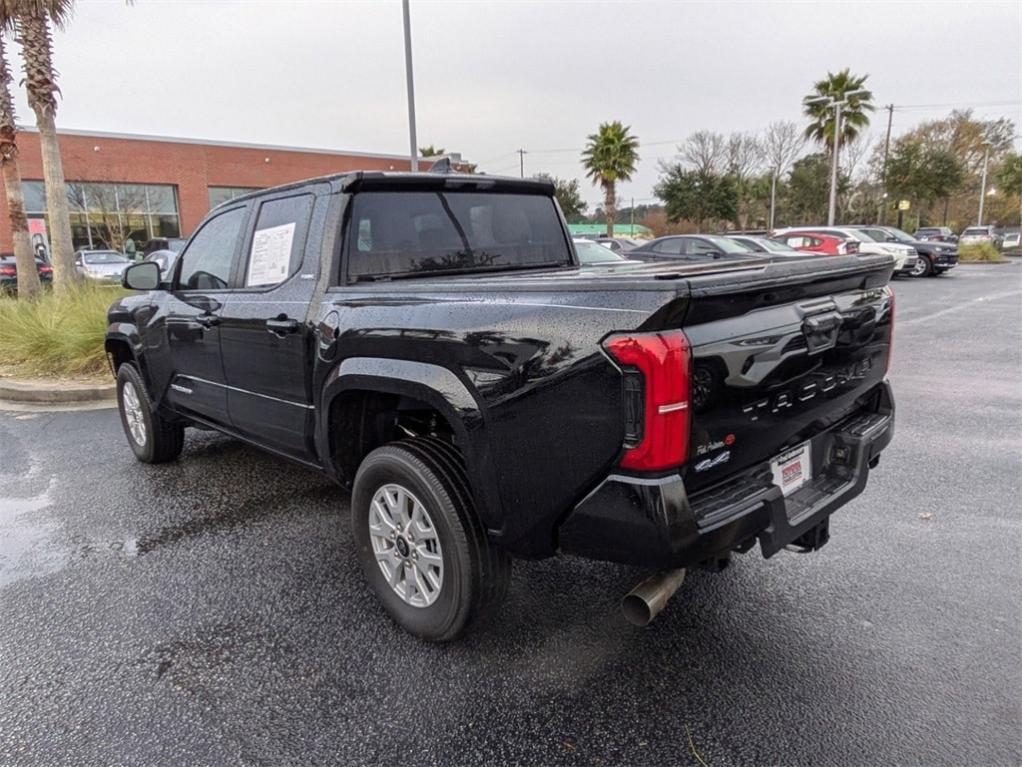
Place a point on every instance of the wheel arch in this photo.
(363, 398)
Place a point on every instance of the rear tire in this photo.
(153, 439)
(420, 542)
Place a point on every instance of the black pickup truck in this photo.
(431, 342)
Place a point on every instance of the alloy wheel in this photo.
(133, 413)
(406, 545)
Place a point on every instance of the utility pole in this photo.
(832, 207)
(411, 87)
(883, 177)
(521, 161)
(983, 184)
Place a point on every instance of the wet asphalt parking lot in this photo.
(211, 611)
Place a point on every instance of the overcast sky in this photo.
(492, 77)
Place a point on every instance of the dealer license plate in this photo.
(792, 468)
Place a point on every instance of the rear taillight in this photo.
(8, 271)
(662, 360)
(45, 270)
(890, 321)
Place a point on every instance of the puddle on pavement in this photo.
(30, 545)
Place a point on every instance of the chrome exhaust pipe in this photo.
(643, 603)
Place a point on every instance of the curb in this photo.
(52, 393)
(1005, 262)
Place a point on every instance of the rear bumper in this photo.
(654, 523)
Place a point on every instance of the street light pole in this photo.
(832, 208)
(773, 196)
(414, 154)
(983, 185)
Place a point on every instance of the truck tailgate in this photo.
(779, 355)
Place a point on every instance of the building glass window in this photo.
(221, 194)
(105, 215)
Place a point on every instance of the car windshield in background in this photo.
(771, 246)
(590, 252)
(975, 230)
(899, 235)
(725, 245)
(105, 258)
(401, 234)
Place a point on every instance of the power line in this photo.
(1014, 102)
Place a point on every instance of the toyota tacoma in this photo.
(431, 342)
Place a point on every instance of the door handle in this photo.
(207, 320)
(282, 325)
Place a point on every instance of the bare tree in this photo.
(854, 152)
(744, 154)
(705, 151)
(782, 143)
(112, 210)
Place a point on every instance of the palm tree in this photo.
(610, 156)
(854, 115)
(30, 20)
(28, 277)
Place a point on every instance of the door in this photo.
(265, 340)
(193, 315)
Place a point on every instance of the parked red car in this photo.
(9, 273)
(825, 243)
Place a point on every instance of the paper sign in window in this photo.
(270, 258)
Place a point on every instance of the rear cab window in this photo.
(278, 242)
(399, 234)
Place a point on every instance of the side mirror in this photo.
(143, 276)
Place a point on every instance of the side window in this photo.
(671, 247)
(278, 242)
(206, 263)
(702, 248)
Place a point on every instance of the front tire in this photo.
(420, 542)
(153, 439)
(922, 267)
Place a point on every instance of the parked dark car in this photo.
(935, 233)
(9, 273)
(935, 257)
(691, 247)
(431, 342)
(163, 243)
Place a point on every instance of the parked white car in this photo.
(905, 256)
(978, 235)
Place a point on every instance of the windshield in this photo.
(772, 246)
(725, 245)
(975, 230)
(105, 258)
(400, 234)
(590, 252)
(899, 235)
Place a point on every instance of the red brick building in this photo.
(142, 187)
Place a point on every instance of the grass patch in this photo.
(982, 252)
(58, 335)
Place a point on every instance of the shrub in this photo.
(981, 251)
(58, 334)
